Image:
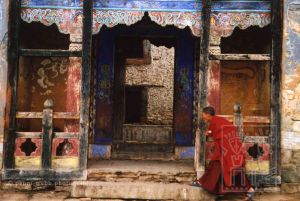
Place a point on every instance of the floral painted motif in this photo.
(179, 19)
(113, 18)
(223, 24)
(70, 21)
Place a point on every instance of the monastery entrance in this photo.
(128, 83)
(144, 90)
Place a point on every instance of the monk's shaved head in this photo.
(209, 110)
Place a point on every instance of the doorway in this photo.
(143, 97)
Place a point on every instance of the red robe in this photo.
(228, 152)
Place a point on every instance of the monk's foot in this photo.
(218, 198)
(250, 194)
(196, 184)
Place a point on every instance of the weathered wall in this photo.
(3, 69)
(158, 77)
(291, 95)
(247, 82)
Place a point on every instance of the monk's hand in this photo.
(208, 132)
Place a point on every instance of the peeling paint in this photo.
(292, 33)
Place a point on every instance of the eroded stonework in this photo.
(291, 95)
(158, 78)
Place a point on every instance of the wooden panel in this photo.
(250, 119)
(28, 162)
(34, 152)
(241, 57)
(260, 165)
(246, 83)
(65, 162)
(183, 91)
(29, 134)
(65, 147)
(39, 115)
(148, 133)
(104, 89)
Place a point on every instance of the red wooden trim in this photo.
(214, 85)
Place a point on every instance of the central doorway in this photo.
(144, 92)
(143, 97)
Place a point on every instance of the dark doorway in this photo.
(135, 105)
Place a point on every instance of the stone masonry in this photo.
(158, 78)
(290, 127)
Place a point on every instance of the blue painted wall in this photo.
(292, 43)
(184, 73)
(156, 5)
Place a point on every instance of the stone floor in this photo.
(64, 196)
(141, 171)
(108, 179)
(146, 166)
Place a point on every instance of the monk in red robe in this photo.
(225, 172)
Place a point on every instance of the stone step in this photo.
(142, 171)
(143, 147)
(137, 190)
(130, 155)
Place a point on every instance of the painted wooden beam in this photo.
(39, 115)
(49, 53)
(250, 119)
(240, 57)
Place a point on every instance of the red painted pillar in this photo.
(214, 74)
(74, 80)
(214, 85)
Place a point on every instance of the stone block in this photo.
(14, 196)
(296, 157)
(138, 191)
(49, 196)
(296, 126)
(290, 188)
(18, 185)
(286, 156)
(275, 189)
(290, 174)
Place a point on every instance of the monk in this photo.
(225, 172)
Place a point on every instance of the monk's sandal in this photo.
(196, 184)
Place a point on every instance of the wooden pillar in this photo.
(47, 127)
(13, 62)
(214, 76)
(199, 161)
(276, 64)
(238, 119)
(85, 90)
(73, 82)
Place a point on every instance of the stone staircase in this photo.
(139, 180)
(137, 191)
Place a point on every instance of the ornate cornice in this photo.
(70, 21)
